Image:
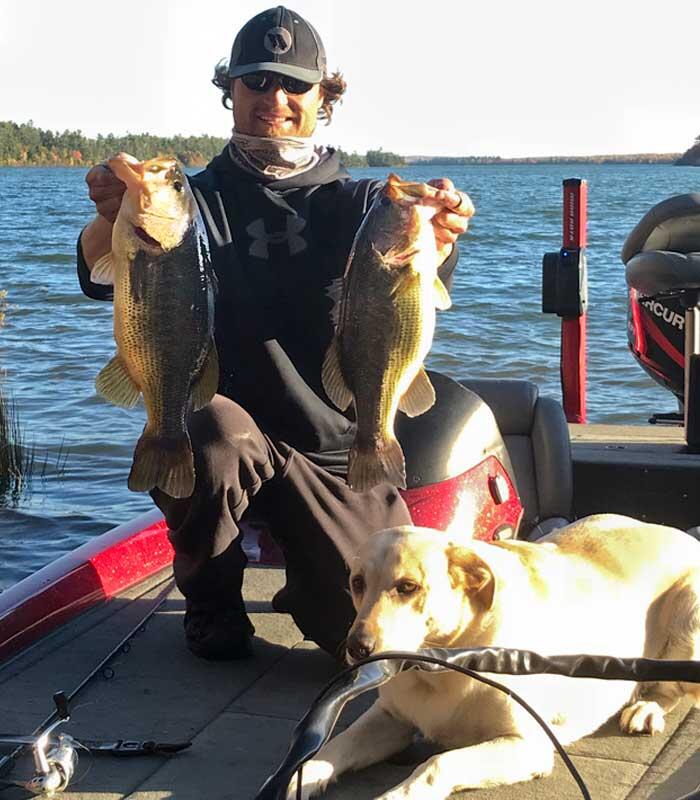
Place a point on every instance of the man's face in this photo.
(274, 112)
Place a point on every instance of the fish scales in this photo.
(149, 334)
(394, 327)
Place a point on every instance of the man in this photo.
(281, 215)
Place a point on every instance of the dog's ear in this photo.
(473, 574)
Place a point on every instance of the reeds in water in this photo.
(16, 460)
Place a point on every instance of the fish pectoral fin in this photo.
(443, 301)
(332, 378)
(395, 256)
(207, 383)
(116, 385)
(419, 397)
(103, 270)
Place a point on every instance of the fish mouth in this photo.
(404, 192)
(141, 233)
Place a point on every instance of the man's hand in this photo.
(106, 191)
(452, 219)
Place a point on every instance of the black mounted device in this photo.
(564, 282)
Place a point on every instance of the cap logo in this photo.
(278, 41)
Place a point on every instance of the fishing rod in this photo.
(315, 728)
(55, 757)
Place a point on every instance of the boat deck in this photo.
(643, 471)
(641, 438)
(240, 715)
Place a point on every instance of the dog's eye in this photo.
(406, 587)
(358, 584)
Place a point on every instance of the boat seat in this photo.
(662, 259)
(536, 436)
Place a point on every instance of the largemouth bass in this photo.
(163, 318)
(385, 329)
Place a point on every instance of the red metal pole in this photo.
(573, 329)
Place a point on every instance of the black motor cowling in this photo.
(662, 258)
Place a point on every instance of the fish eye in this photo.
(406, 587)
(177, 185)
(357, 584)
(155, 169)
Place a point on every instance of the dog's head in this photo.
(412, 587)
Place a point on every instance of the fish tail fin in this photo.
(163, 462)
(369, 466)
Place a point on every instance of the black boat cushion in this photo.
(512, 401)
(661, 272)
(453, 436)
(672, 224)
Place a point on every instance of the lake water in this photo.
(55, 340)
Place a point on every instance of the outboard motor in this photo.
(458, 473)
(662, 258)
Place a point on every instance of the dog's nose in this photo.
(360, 646)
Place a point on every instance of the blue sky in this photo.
(449, 78)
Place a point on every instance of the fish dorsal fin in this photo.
(116, 385)
(334, 292)
(103, 270)
(332, 378)
(419, 397)
(443, 301)
(207, 383)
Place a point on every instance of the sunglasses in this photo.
(263, 81)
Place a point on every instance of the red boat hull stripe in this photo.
(100, 569)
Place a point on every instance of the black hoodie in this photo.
(279, 250)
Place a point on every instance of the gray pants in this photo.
(313, 516)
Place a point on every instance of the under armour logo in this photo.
(278, 40)
(260, 246)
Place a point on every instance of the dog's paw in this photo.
(642, 716)
(315, 776)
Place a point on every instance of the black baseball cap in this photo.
(278, 40)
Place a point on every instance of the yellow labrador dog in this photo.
(605, 585)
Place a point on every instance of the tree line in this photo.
(691, 157)
(372, 158)
(23, 144)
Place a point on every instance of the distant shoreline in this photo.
(23, 144)
(634, 158)
(487, 161)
